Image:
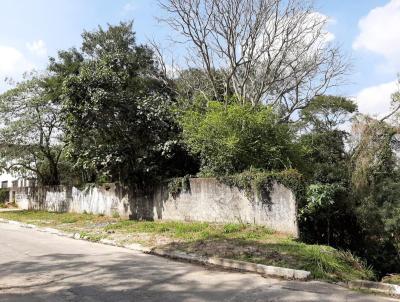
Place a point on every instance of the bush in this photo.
(233, 138)
(392, 279)
(4, 195)
(178, 185)
(320, 197)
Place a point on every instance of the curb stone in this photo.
(379, 287)
(108, 242)
(30, 226)
(180, 256)
(50, 230)
(137, 247)
(264, 270)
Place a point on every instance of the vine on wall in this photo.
(259, 183)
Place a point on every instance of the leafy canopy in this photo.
(327, 112)
(233, 138)
(31, 136)
(116, 105)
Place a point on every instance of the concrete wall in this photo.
(107, 200)
(207, 200)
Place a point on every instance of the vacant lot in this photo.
(234, 241)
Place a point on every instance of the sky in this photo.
(368, 32)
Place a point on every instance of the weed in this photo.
(233, 228)
(392, 279)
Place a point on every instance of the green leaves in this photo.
(31, 136)
(320, 197)
(233, 138)
(118, 120)
(326, 113)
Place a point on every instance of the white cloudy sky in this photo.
(368, 30)
(379, 33)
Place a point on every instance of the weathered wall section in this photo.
(207, 200)
(108, 199)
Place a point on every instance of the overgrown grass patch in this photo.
(323, 262)
(191, 231)
(94, 237)
(43, 218)
(235, 241)
(392, 279)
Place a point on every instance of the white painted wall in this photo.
(7, 177)
(207, 200)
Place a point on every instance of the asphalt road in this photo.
(38, 266)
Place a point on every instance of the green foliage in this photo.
(326, 112)
(4, 195)
(193, 84)
(178, 185)
(327, 214)
(373, 159)
(328, 263)
(258, 184)
(115, 215)
(233, 228)
(392, 279)
(232, 138)
(31, 136)
(320, 197)
(375, 183)
(91, 237)
(113, 90)
(69, 219)
(324, 158)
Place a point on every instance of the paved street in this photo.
(37, 266)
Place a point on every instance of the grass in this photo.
(392, 279)
(5, 205)
(235, 241)
(42, 218)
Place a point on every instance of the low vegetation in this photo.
(48, 219)
(4, 196)
(392, 279)
(235, 241)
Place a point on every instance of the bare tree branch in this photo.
(269, 51)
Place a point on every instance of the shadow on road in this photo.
(125, 277)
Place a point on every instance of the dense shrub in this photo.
(232, 138)
(4, 195)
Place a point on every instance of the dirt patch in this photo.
(228, 249)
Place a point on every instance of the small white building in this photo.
(10, 182)
(7, 180)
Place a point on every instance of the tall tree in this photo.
(117, 107)
(328, 216)
(269, 51)
(327, 112)
(31, 133)
(375, 183)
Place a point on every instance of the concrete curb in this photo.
(378, 287)
(264, 270)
